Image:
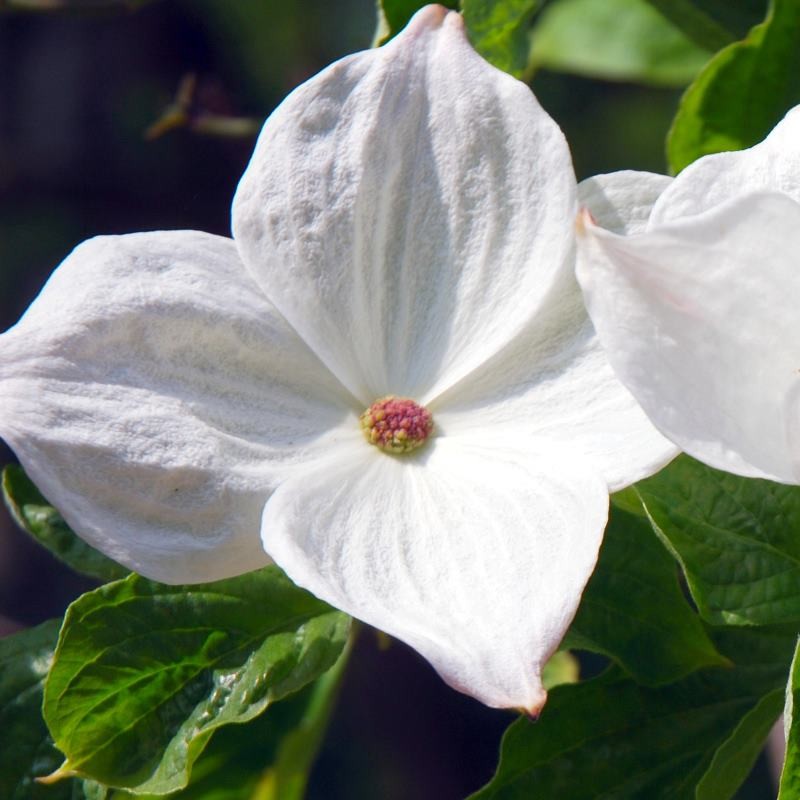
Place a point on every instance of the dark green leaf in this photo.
(790, 777)
(610, 737)
(743, 91)
(713, 23)
(735, 757)
(500, 30)
(145, 673)
(633, 609)
(615, 39)
(393, 16)
(27, 751)
(38, 518)
(738, 540)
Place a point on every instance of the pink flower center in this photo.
(396, 424)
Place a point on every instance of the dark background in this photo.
(76, 95)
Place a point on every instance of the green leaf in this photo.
(713, 23)
(286, 779)
(735, 757)
(562, 667)
(500, 30)
(790, 776)
(634, 611)
(145, 673)
(38, 518)
(96, 791)
(737, 539)
(393, 16)
(623, 40)
(743, 91)
(610, 737)
(27, 751)
(628, 500)
(268, 758)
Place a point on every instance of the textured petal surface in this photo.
(419, 200)
(699, 319)
(554, 386)
(474, 557)
(157, 398)
(622, 201)
(772, 165)
(555, 383)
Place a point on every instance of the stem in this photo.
(226, 127)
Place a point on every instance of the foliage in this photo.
(38, 518)
(178, 663)
(27, 750)
(657, 639)
(613, 736)
(743, 91)
(267, 758)
(790, 777)
(736, 539)
(712, 23)
(500, 32)
(616, 40)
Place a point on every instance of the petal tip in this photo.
(583, 221)
(454, 20)
(432, 16)
(532, 709)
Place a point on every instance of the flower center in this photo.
(396, 424)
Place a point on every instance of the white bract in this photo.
(406, 228)
(693, 285)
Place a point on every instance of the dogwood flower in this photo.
(388, 371)
(694, 288)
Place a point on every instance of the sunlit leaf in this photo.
(625, 40)
(393, 15)
(144, 673)
(500, 30)
(562, 667)
(268, 758)
(743, 91)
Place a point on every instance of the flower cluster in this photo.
(406, 231)
(397, 424)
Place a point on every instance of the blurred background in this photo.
(77, 95)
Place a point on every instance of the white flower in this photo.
(406, 228)
(694, 287)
